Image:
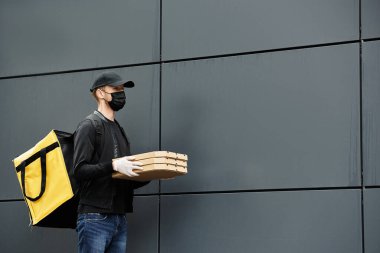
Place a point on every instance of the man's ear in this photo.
(99, 94)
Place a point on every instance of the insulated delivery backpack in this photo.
(45, 174)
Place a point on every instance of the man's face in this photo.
(105, 91)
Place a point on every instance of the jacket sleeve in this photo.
(84, 143)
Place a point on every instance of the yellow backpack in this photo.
(44, 173)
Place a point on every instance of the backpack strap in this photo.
(96, 121)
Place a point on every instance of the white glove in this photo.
(125, 165)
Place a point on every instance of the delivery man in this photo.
(103, 201)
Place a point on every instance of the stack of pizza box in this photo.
(158, 165)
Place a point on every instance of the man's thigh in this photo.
(95, 232)
(119, 240)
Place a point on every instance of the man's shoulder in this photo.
(87, 124)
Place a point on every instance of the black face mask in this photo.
(118, 100)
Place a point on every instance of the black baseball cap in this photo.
(112, 79)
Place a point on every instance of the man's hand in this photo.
(126, 165)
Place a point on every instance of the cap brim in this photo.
(127, 84)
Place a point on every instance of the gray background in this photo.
(275, 102)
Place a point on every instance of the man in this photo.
(103, 201)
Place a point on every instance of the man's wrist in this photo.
(113, 165)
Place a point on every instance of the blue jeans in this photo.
(102, 233)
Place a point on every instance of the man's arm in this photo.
(84, 149)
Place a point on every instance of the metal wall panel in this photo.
(276, 120)
(371, 112)
(49, 36)
(17, 236)
(31, 107)
(143, 226)
(200, 28)
(309, 221)
(372, 220)
(370, 18)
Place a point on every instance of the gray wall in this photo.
(275, 102)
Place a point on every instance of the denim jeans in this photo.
(102, 233)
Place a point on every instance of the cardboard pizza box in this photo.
(163, 154)
(154, 171)
(163, 160)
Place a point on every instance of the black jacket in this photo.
(93, 166)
